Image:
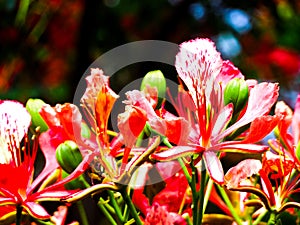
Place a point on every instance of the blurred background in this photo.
(46, 45)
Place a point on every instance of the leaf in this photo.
(243, 170)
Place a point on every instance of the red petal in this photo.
(213, 166)
(177, 152)
(261, 127)
(131, 123)
(242, 171)
(36, 210)
(296, 121)
(140, 200)
(177, 130)
(236, 146)
(59, 216)
(222, 120)
(228, 72)
(261, 99)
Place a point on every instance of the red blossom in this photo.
(21, 189)
(203, 71)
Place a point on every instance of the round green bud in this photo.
(68, 156)
(298, 151)
(77, 183)
(236, 92)
(33, 106)
(155, 79)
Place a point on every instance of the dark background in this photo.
(46, 46)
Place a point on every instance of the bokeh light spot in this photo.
(238, 19)
(228, 45)
(197, 10)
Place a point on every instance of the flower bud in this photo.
(33, 106)
(68, 156)
(236, 92)
(77, 183)
(155, 79)
(298, 151)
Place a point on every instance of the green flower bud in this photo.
(236, 92)
(155, 79)
(68, 156)
(298, 151)
(78, 183)
(33, 106)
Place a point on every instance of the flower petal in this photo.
(131, 123)
(261, 98)
(236, 146)
(197, 64)
(260, 127)
(15, 120)
(296, 121)
(36, 210)
(243, 170)
(177, 152)
(213, 166)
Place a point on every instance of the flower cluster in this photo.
(211, 159)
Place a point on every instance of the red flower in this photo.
(274, 169)
(17, 186)
(176, 129)
(168, 202)
(204, 73)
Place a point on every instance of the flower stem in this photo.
(115, 205)
(82, 213)
(228, 203)
(207, 193)
(259, 218)
(180, 160)
(131, 206)
(19, 214)
(107, 214)
(195, 194)
(201, 196)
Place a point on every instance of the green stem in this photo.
(131, 206)
(229, 205)
(126, 213)
(107, 206)
(22, 12)
(107, 214)
(201, 196)
(272, 220)
(185, 170)
(82, 213)
(19, 214)
(187, 219)
(195, 194)
(259, 218)
(115, 205)
(207, 193)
